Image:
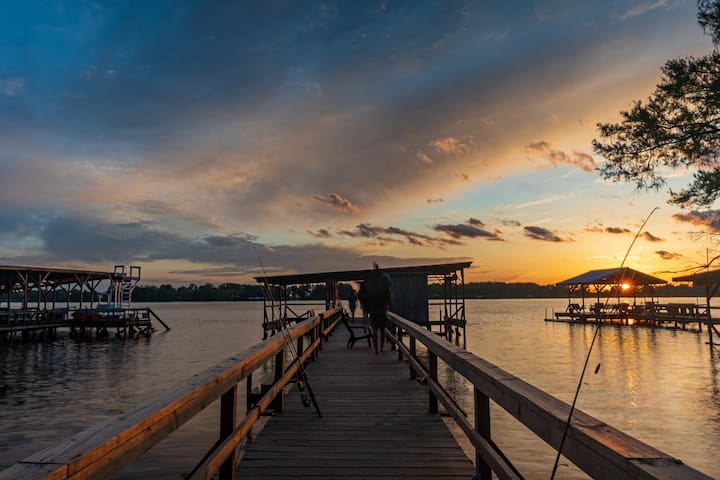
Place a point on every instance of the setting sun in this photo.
(625, 286)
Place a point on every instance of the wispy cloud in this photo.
(544, 150)
(320, 233)
(434, 200)
(424, 157)
(462, 230)
(338, 202)
(665, 255)
(642, 8)
(541, 233)
(365, 230)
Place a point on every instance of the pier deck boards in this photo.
(375, 425)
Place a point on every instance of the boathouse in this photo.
(410, 296)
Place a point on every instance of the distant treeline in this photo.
(232, 291)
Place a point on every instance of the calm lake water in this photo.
(660, 386)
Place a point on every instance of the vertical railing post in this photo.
(413, 373)
(228, 421)
(432, 370)
(300, 345)
(248, 393)
(482, 426)
(279, 401)
(399, 335)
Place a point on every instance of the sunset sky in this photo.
(193, 138)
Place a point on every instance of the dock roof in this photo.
(613, 276)
(351, 275)
(700, 278)
(13, 273)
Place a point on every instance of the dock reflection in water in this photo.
(660, 386)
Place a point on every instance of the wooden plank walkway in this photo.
(375, 425)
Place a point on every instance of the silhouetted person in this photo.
(352, 303)
(379, 296)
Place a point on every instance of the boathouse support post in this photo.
(228, 421)
(482, 426)
(433, 373)
(279, 402)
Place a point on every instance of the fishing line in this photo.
(587, 357)
(306, 394)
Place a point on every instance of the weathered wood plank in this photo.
(375, 425)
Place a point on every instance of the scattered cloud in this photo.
(424, 157)
(508, 222)
(665, 255)
(651, 238)
(320, 233)
(617, 230)
(540, 233)
(544, 150)
(452, 145)
(434, 200)
(338, 202)
(707, 218)
(365, 230)
(462, 230)
(475, 222)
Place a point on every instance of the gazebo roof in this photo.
(613, 276)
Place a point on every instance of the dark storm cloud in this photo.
(540, 233)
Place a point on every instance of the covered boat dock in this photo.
(40, 300)
(625, 285)
(410, 296)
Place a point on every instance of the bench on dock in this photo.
(365, 332)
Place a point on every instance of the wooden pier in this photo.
(375, 424)
(374, 413)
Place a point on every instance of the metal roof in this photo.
(350, 275)
(13, 274)
(702, 278)
(613, 276)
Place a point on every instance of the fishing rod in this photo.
(587, 357)
(306, 393)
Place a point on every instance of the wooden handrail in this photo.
(598, 449)
(106, 448)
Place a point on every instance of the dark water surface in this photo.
(660, 386)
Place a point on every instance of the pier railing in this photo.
(598, 449)
(105, 449)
